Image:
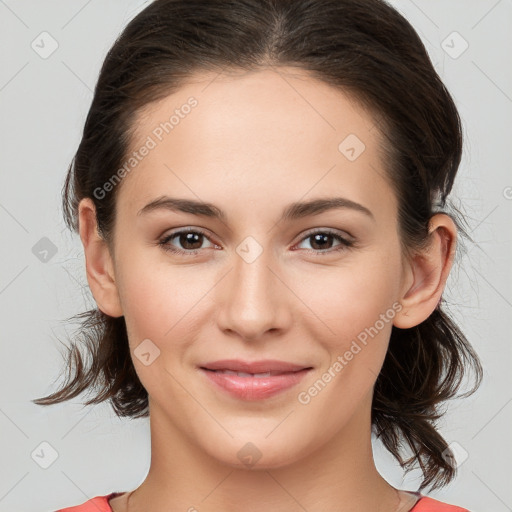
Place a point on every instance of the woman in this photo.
(260, 191)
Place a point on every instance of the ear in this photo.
(98, 261)
(429, 270)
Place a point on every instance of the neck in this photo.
(339, 476)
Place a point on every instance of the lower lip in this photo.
(255, 388)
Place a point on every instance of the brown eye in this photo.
(322, 241)
(190, 241)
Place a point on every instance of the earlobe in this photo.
(430, 269)
(98, 261)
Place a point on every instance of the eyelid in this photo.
(331, 231)
(186, 229)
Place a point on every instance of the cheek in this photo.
(356, 305)
(158, 299)
(351, 299)
(161, 305)
(359, 316)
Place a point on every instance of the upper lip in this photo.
(263, 366)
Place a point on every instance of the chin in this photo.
(258, 452)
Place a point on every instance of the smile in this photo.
(253, 381)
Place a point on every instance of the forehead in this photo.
(272, 134)
(261, 103)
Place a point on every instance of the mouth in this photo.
(254, 380)
(245, 374)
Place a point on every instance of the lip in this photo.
(282, 376)
(266, 365)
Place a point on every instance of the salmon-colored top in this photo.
(424, 504)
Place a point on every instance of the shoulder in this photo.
(101, 504)
(427, 504)
(97, 504)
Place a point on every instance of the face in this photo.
(269, 278)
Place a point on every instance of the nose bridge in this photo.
(253, 301)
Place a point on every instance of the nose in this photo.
(253, 299)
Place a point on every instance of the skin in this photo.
(255, 143)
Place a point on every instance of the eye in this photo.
(190, 239)
(321, 239)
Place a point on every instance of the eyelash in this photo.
(344, 243)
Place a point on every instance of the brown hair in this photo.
(363, 47)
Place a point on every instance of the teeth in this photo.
(266, 374)
(243, 374)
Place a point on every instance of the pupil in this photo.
(190, 238)
(318, 238)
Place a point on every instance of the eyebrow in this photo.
(293, 211)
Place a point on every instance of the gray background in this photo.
(44, 102)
